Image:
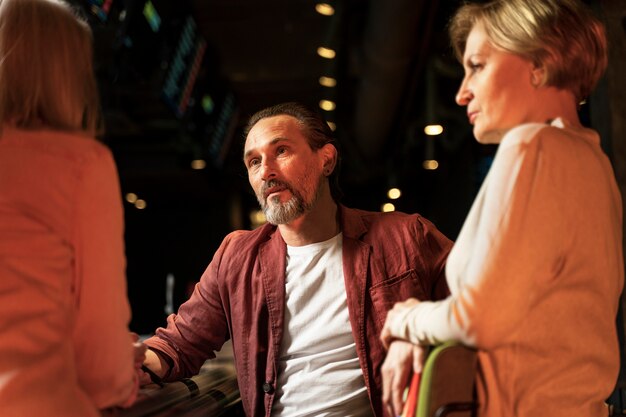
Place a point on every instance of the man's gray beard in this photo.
(283, 213)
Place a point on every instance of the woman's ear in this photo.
(537, 75)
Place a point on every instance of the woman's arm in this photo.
(103, 344)
(508, 244)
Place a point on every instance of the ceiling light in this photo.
(388, 207)
(140, 204)
(433, 130)
(327, 105)
(394, 193)
(131, 198)
(198, 164)
(328, 81)
(326, 52)
(325, 9)
(430, 164)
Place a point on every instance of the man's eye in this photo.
(253, 162)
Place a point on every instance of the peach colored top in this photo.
(536, 275)
(65, 349)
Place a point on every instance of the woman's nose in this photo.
(464, 95)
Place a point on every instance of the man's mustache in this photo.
(274, 183)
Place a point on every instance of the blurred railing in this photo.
(211, 393)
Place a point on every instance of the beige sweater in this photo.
(535, 276)
(65, 349)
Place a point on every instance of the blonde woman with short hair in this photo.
(537, 270)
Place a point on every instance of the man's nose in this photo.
(268, 170)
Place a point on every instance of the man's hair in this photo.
(560, 36)
(46, 67)
(313, 127)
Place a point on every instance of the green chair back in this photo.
(447, 382)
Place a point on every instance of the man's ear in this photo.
(329, 158)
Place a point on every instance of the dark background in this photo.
(178, 78)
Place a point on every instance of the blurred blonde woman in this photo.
(65, 349)
(537, 270)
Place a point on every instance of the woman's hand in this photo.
(398, 310)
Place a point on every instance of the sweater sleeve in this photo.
(103, 345)
(512, 234)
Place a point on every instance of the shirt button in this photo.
(267, 388)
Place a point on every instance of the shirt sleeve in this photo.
(434, 250)
(516, 233)
(103, 345)
(198, 329)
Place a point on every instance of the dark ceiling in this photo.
(250, 54)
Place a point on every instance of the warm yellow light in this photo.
(325, 9)
(433, 130)
(327, 105)
(140, 204)
(131, 198)
(332, 126)
(430, 164)
(388, 207)
(326, 52)
(394, 193)
(328, 81)
(257, 218)
(198, 164)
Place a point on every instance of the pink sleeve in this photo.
(102, 342)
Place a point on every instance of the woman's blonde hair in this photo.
(46, 67)
(560, 36)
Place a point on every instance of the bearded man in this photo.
(304, 297)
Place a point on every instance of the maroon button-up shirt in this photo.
(387, 257)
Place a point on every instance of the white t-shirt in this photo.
(319, 372)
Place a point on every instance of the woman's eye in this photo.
(475, 66)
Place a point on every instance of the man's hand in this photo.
(139, 351)
(402, 358)
(156, 365)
